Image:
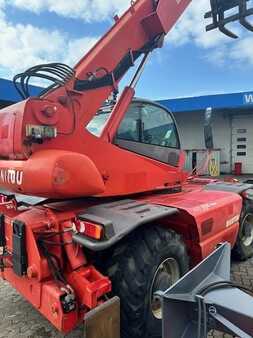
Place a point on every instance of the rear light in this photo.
(95, 231)
(9, 202)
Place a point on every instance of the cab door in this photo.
(149, 130)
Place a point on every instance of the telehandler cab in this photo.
(101, 207)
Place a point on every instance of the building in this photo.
(232, 129)
(9, 95)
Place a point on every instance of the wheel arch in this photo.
(119, 219)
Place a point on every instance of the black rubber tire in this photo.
(240, 251)
(132, 268)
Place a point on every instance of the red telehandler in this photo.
(101, 208)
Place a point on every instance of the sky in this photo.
(191, 63)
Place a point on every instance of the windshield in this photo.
(97, 124)
(144, 122)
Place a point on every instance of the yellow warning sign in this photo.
(213, 168)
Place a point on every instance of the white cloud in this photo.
(2, 2)
(191, 28)
(77, 48)
(23, 46)
(217, 48)
(242, 51)
(88, 10)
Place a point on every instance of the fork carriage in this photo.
(222, 13)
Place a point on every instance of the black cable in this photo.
(57, 73)
(43, 238)
(199, 317)
(201, 307)
(54, 262)
(201, 304)
(223, 284)
(52, 234)
(2, 266)
(55, 270)
(204, 318)
(48, 89)
(57, 244)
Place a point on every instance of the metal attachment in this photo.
(104, 320)
(221, 15)
(205, 299)
(68, 302)
(212, 310)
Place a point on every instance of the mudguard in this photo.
(237, 188)
(119, 219)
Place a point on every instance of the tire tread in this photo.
(129, 270)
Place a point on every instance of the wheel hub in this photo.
(247, 230)
(166, 275)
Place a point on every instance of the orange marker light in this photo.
(89, 229)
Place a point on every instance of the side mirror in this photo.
(208, 130)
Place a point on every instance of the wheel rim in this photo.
(166, 275)
(247, 230)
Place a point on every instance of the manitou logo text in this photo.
(248, 98)
(11, 176)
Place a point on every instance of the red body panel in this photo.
(12, 131)
(197, 207)
(220, 211)
(70, 111)
(38, 285)
(52, 173)
(97, 168)
(75, 163)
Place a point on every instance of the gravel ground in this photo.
(19, 319)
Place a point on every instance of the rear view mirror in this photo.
(208, 130)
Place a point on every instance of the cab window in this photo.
(97, 124)
(146, 129)
(149, 124)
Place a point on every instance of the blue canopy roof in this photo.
(241, 101)
(223, 101)
(8, 92)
